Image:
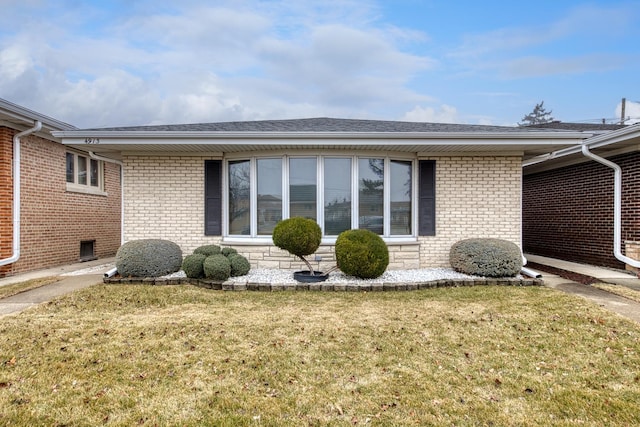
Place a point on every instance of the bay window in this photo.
(337, 195)
(339, 192)
(303, 190)
(269, 203)
(239, 197)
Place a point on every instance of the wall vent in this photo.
(87, 252)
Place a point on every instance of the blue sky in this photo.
(114, 63)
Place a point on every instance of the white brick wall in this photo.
(164, 199)
(475, 197)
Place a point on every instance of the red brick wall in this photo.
(568, 212)
(6, 193)
(54, 221)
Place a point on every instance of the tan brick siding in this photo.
(164, 199)
(476, 197)
(54, 221)
(632, 250)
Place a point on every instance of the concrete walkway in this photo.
(606, 275)
(621, 305)
(72, 277)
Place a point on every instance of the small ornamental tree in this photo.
(362, 253)
(298, 236)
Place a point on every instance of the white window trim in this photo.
(255, 239)
(75, 187)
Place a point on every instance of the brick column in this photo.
(632, 250)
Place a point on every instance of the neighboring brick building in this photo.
(424, 185)
(568, 201)
(70, 204)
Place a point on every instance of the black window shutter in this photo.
(213, 197)
(427, 198)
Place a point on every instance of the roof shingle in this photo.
(320, 124)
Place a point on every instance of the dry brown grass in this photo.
(143, 355)
(16, 288)
(623, 291)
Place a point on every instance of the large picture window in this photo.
(269, 202)
(371, 194)
(337, 196)
(239, 197)
(400, 197)
(339, 192)
(303, 188)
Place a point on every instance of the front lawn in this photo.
(181, 355)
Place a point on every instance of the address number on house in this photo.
(92, 140)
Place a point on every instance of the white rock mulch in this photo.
(269, 275)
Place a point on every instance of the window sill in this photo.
(330, 241)
(75, 188)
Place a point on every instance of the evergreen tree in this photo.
(537, 116)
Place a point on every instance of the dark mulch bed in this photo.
(570, 275)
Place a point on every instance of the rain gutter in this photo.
(617, 206)
(16, 193)
(93, 155)
(117, 162)
(205, 134)
(598, 141)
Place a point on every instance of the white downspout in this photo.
(118, 162)
(529, 272)
(525, 270)
(16, 193)
(93, 155)
(617, 206)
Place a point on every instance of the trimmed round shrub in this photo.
(298, 236)
(208, 250)
(239, 265)
(193, 266)
(148, 258)
(217, 267)
(361, 253)
(486, 257)
(228, 251)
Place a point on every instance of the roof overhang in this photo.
(606, 145)
(20, 118)
(116, 143)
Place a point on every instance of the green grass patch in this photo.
(181, 355)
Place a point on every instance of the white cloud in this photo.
(443, 114)
(536, 66)
(14, 62)
(168, 63)
(500, 50)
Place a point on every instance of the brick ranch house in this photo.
(421, 186)
(568, 200)
(62, 206)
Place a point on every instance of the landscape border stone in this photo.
(237, 284)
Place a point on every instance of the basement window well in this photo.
(87, 252)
